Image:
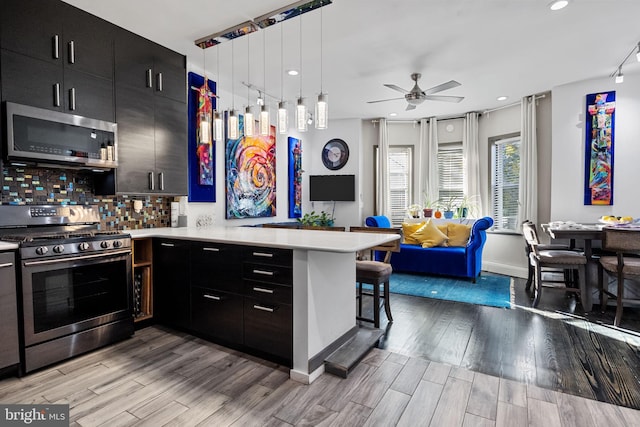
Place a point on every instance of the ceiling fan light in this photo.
(301, 116)
(248, 122)
(283, 125)
(322, 111)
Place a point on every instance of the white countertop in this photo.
(319, 240)
(8, 246)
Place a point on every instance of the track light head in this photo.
(619, 76)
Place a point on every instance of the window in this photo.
(505, 178)
(450, 172)
(400, 180)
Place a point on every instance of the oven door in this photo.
(63, 296)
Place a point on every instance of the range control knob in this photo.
(117, 244)
(42, 250)
(105, 244)
(58, 249)
(83, 246)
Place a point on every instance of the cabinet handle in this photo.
(213, 297)
(56, 47)
(149, 78)
(170, 245)
(161, 180)
(263, 254)
(56, 95)
(159, 82)
(211, 249)
(72, 52)
(152, 184)
(263, 308)
(7, 264)
(72, 99)
(263, 290)
(263, 272)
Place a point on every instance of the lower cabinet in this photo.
(171, 282)
(268, 328)
(216, 314)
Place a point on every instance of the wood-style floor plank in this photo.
(483, 400)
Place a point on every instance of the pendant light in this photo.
(322, 106)
(264, 120)
(301, 109)
(283, 125)
(232, 118)
(204, 117)
(248, 115)
(218, 123)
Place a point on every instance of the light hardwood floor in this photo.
(162, 377)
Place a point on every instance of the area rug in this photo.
(491, 290)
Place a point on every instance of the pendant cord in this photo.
(248, 71)
(233, 92)
(300, 56)
(264, 64)
(281, 64)
(320, 47)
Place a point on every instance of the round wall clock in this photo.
(335, 154)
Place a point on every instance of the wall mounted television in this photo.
(332, 188)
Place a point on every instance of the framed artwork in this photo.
(250, 170)
(295, 177)
(201, 154)
(599, 135)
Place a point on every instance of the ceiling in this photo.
(492, 47)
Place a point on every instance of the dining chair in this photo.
(568, 275)
(624, 265)
(552, 258)
(376, 273)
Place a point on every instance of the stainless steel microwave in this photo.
(51, 137)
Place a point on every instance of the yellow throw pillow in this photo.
(429, 235)
(408, 229)
(458, 234)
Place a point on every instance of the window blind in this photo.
(505, 177)
(450, 172)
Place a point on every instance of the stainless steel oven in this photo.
(75, 283)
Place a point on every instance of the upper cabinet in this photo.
(58, 57)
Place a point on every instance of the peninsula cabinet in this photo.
(58, 57)
(9, 355)
(171, 282)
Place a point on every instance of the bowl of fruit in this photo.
(610, 219)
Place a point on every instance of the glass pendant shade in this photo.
(283, 121)
(264, 120)
(218, 126)
(322, 112)
(205, 128)
(248, 122)
(232, 125)
(301, 116)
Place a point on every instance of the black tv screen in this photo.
(336, 188)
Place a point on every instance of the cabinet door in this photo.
(216, 266)
(136, 146)
(30, 27)
(134, 61)
(217, 315)
(170, 74)
(171, 282)
(8, 312)
(268, 328)
(93, 95)
(30, 81)
(171, 146)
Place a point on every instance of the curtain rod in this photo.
(535, 97)
(418, 120)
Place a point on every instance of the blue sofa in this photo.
(448, 261)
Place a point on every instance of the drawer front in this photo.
(268, 292)
(271, 256)
(268, 273)
(268, 328)
(216, 266)
(217, 315)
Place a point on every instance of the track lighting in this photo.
(248, 122)
(638, 53)
(618, 73)
(619, 76)
(301, 116)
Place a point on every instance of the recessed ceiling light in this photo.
(502, 98)
(558, 4)
(292, 72)
(393, 114)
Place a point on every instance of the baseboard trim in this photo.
(507, 270)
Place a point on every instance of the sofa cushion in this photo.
(458, 234)
(408, 229)
(429, 235)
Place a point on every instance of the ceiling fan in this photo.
(416, 96)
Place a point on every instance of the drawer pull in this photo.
(211, 249)
(263, 290)
(56, 47)
(149, 78)
(263, 308)
(264, 272)
(9, 264)
(213, 297)
(263, 254)
(170, 245)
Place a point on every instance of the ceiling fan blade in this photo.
(444, 98)
(398, 88)
(384, 100)
(410, 107)
(444, 86)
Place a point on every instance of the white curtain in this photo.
(528, 195)
(471, 161)
(429, 159)
(383, 195)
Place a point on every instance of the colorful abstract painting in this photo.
(295, 178)
(201, 154)
(250, 167)
(599, 134)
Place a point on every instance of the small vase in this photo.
(437, 214)
(448, 214)
(427, 212)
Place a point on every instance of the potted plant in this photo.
(323, 219)
(429, 205)
(467, 207)
(448, 205)
(414, 211)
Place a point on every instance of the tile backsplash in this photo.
(38, 186)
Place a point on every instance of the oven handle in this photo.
(77, 258)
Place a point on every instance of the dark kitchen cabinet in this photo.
(58, 57)
(171, 294)
(9, 350)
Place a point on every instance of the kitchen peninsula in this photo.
(323, 281)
